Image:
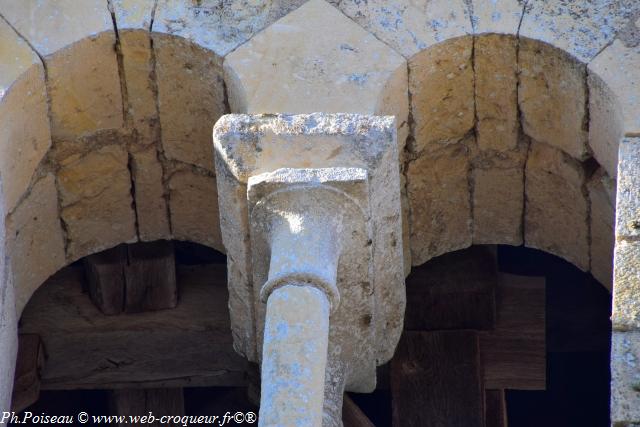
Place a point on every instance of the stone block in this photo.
(193, 200)
(442, 98)
(605, 123)
(496, 92)
(35, 240)
(439, 200)
(552, 96)
(51, 25)
(190, 98)
(628, 195)
(580, 28)
(625, 379)
(96, 202)
(77, 42)
(408, 26)
(216, 27)
(132, 14)
(602, 196)
(626, 286)
(24, 136)
(500, 17)
(84, 86)
(617, 66)
(498, 201)
(556, 205)
(346, 70)
(137, 62)
(151, 204)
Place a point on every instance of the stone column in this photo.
(625, 347)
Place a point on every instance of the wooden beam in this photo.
(514, 353)
(150, 277)
(133, 278)
(188, 346)
(29, 364)
(453, 291)
(436, 380)
(495, 409)
(160, 401)
(352, 415)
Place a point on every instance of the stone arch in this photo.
(503, 151)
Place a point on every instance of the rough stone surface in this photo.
(409, 26)
(602, 196)
(626, 284)
(441, 88)
(137, 62)
(346, 70)
(193, 199)
(77, 41)
(250, 145)
(498, 201)
(625, 379)
(191, 99)
(496, 92)
(51, 25)
(552, 97)
(580, 28)
(151, 205)
(439, 200)
(132, 14)
(618, 67)
(628, 197)
(84, 87)
(556, 205)
(501, 17)
(219, 27)
(34, 240)
(96, 202)
(24, 135)
(605, 124)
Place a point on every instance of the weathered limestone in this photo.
(626, 305)
(35, 242)
(625, 378)
(605, 123)
(442, 99)
(618, 66)
(215, 27)
(628, 196)
(295, 358)
(8, 320)
(556, 205)
(602, 198)
(96, 203)
(580, 28)
(439, 200)
(496, 92)
(194, 216)
(132, 14)
(552, 97)
(498, 202)
(321, 141)
(314, 223)
(151, 204)
(76, 40)
(346, 70)
(501, 17)
(408, 26)
(24, 134)
(191, 94)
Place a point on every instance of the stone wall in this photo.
(510, 114)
